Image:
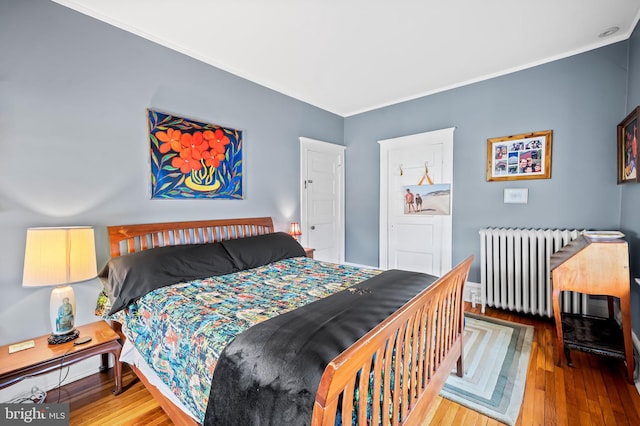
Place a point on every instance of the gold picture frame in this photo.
(519, 157)
(627, 132)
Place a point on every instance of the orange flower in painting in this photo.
(170, 139)
(212, 159)
(186, 143)
(185, 162)
(195, 143)
(206, 157)
(217, 141)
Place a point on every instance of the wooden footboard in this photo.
(394, 372)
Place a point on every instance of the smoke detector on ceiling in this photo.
(608, 32)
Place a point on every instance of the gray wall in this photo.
(73, 140)
(580, 98)
(630, 213)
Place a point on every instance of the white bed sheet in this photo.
(131, 356)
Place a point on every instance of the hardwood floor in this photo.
(592, 392)
(92, 402)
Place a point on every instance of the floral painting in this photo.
(192, 160)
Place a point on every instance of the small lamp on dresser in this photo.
(294, 230)
(58, 257)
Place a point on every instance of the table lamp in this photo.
(294, 230)
(58, 257)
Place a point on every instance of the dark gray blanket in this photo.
(268, 375)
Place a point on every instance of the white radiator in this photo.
(515, 272)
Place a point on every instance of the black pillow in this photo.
(251, 252)
(127, 278)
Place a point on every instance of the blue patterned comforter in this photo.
(181, 330)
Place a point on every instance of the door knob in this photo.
(313, 227)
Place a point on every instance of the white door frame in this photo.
(400, 142)
(307, 144)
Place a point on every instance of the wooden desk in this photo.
(596, 267)
(43, 357)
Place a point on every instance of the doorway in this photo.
(322, 199)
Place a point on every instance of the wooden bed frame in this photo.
(422, 339)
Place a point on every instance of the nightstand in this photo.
(44, 358)
(309, 252)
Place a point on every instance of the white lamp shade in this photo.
(56, 256)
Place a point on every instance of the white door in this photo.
(416, 236)
(322, 199)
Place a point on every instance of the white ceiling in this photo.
(351, 56)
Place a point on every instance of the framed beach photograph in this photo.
(627, 132)
(516, 157)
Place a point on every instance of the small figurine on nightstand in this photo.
(64, 321)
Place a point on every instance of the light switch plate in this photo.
(516, 195)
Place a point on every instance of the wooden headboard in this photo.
(133, 238)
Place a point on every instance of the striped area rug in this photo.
(496, 358)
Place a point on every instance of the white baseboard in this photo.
(471, 292)
(50, 381)
(358, 265)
